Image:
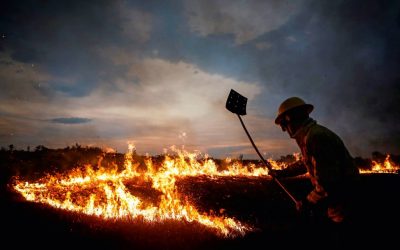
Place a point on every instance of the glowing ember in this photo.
(108, 193)
(386, 167)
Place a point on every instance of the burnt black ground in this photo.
(257, 201)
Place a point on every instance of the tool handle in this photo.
(266, 163)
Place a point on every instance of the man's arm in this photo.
(324, 150)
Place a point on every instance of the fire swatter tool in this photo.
(236, 103)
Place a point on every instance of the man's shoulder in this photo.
(318, 131)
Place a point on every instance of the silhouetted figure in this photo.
(325, 158)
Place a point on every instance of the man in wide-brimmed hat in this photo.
(324, 156)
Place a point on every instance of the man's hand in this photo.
(299, 205)
(304, 207)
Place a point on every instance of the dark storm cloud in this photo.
(64, 38)
(344, 57)
(71, 120)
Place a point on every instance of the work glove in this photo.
(304, 207)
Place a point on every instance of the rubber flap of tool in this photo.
(236, 103)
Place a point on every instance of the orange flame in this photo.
(386, 167)
(107, 193)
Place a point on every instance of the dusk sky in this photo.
(158, 73)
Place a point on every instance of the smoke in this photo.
(343, 57)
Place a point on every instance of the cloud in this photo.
(63, 38)
(149, 72)
(263, 45)
(71, 120)
(344, 60)
(245, 20)
(135, 24)
(156, 97)
(21, 81)
(152, 103)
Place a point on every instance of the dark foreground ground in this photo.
(259, 202)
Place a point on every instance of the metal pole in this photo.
(266, 163)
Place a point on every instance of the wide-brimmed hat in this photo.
(289, 104)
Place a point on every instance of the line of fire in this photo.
(146, 188)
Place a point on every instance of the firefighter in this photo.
(324, 157)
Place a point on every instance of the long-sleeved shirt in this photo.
(329, 163)
(327, 160)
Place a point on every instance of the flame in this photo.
(108, 193)
(386, 167)
(297, 156)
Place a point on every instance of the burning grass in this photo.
(161, 191)
(150, 194)
(386, 167)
